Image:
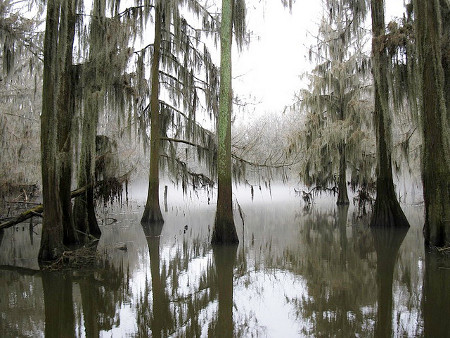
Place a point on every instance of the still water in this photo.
(298, 271)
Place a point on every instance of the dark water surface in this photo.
(296, 272)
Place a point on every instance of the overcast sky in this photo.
(269, 69)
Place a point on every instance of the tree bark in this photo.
(436, 133)
(152, 211)
(84, 208)
(66, 110)
(342, 184)
(445, 17)
(386, 211)
(52, 225)
(224, 228)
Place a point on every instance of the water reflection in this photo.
(387, 243)
(58, 300)
(155, 320)
(337, 263)
(224, 260)
(436, 296)
(315, 272)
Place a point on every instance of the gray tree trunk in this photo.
(342, 183)
(55, 130)
(386, 211)
(152, 211)
(224, 229)
(436, 133)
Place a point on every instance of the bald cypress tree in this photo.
(224, 229)
(56, 103)
(436, 133)
(92, 100)
(387, 210)
(152, 211)
(233, 14)
(336, 106)
(184, 81)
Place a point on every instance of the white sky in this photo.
(269, 70)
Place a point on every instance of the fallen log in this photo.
(40, 208)
(33, 211)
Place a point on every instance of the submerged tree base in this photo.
(224, 231)
(388, 213)
(152, 216)
(85, 256)
(342, 201)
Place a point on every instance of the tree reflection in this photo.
(102, 293)
(387, 241)
(436, 295)
(224, 260)
(159, 319)
(337, 266)
(58, 299)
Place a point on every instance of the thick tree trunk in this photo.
(84, 209)
(66, 110)
(386, 211)
(84, 206)
(342, 183)
(56, 64)
(445, 16)
(224, 229)
(152, 211)
(436, 134)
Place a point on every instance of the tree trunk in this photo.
(152, 211)
(342, 184)
(55, 62)
(386, 211)
(84, 209)
(66, 110)
(445, 16)
(84, 206)
(436, 134)
(224, 229)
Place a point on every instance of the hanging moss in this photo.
(337, 125)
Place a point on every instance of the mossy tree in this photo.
(336, 105)
(233, 15)
(435, 123)
(20, 96)
(184, 81)
(387, 211)
(56, 104)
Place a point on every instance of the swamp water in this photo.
(297, 272)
